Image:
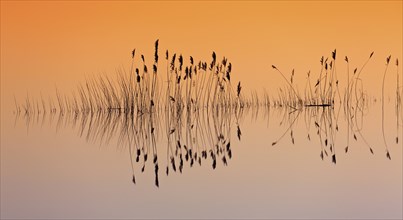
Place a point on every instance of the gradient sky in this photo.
(59, 44)
(48, 44)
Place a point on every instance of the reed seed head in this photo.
(133, 52)
(156, 51)
(155, 68)
(238, 92)
(180, 62)
(173, 62)
(388, 59)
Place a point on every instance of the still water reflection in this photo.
(255, 162)
(226, 163)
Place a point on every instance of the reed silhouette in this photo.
(195, 108)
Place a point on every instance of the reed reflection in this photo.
(194, 110)
(319, 102)
(200, 137)
(191, 137)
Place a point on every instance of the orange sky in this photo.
(48, 44)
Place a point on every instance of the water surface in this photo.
(52, 168)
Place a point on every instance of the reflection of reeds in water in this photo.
(354, 106)
(132, 106)
(193, 137)
(320, 100)
(195, 106)
(398, 102)
(399, 113)
(195, 113)
(322, 124)
(383, 107)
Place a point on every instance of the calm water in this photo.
(268, 163)
(56, 166)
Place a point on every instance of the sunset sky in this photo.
(50, 167)
(58, 44)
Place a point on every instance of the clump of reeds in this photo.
(324, 92)
(196, 112)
